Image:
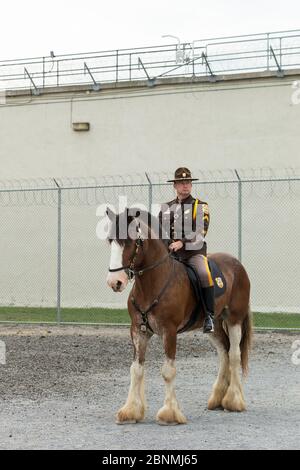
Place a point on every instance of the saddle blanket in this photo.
(219, 289)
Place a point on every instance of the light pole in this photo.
(179, 49)
(171, 36)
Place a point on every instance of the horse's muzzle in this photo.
(117, 286)
(117, 281)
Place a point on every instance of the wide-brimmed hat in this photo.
(182, 174)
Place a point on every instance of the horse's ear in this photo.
(110, 213)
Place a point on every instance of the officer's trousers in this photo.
(200, 264)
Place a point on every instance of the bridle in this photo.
(131, 272)
(130, 269)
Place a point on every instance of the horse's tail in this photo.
(246, 341)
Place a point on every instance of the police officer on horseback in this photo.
(185, 222)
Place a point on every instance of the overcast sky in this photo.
(33, 28)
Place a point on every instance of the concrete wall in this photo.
(241, 122)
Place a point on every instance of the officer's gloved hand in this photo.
(175, 246)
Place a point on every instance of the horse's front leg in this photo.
(135, 406)
(170, 413)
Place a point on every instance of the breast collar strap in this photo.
(144, 312)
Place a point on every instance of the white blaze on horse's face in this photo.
(116, 280)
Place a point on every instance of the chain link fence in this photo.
(53, 266)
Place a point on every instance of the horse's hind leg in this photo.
(222, 383)
(135, 406)
(234, 398)
(170, 413)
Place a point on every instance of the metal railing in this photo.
(276, 51)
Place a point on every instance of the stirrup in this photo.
(208, 325)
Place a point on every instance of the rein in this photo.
(140, 272)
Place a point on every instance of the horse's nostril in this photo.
(119, 283)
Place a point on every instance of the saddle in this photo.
(219, 289)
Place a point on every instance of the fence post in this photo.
(57, 73)
(43, 72)
(117, 65)
(150, 194)
(268, 51)
(58, 301)
(239, 216)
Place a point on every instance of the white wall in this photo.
(237, 123)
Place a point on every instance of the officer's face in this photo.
(183, 188)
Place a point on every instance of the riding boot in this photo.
(208, 295)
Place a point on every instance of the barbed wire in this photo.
(215, 183)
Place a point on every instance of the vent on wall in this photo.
(81, 126)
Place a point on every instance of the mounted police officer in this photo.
(185, 220)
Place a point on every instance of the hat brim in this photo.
(182, 179)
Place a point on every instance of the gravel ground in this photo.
(61, 386)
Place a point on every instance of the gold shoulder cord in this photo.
(195, 209)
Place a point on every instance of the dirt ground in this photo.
(61, 386)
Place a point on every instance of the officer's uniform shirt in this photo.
(187, 221)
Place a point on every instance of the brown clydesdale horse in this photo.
(161, 301)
